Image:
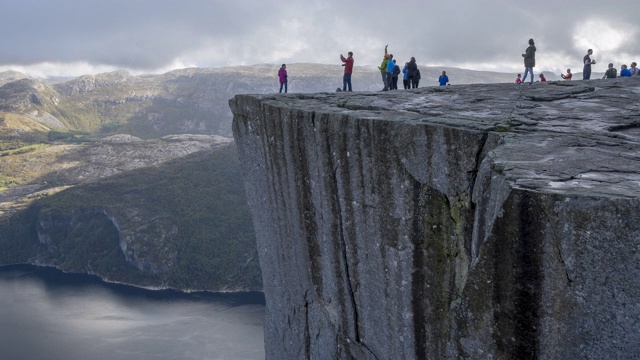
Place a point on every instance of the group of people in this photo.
(530, 62)
(390, 72)
(624, 71)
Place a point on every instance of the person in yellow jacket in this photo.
(383, 69)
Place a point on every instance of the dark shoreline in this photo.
(56, 277)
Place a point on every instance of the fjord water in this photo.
(46, 314)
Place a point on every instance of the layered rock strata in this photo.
(475, 222)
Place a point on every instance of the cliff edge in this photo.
(476, 222)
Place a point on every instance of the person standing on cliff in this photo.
(383, 68)
(414, 73)
(529, 61)
(348, 69)
(405, 76)
(586, 71)
(282, 75)
(443, 79)
(396, 73)
(390, 66)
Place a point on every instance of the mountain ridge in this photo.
(189, 100)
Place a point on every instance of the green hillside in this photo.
(185, 223)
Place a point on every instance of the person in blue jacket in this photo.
(405, 76)
(396, 72)
(624, 72)
(390, 66)
(443, 79)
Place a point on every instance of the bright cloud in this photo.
(73, 37)
(603, 36)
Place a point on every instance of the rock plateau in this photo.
(467, 222)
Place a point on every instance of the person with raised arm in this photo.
(348, 70)
(383, 68)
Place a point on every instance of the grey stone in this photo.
(472, 222)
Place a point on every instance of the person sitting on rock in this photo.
(568, 76)
(634, 69)
(542, 78)
(611, 72)
(624, 72)
(519, 79)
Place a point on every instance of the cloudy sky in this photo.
(76, 37)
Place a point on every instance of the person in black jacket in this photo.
(529, 61)
(414, 73)
(586, 70)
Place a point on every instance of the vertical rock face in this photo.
(475, 222)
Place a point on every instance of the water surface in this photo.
(45, 314)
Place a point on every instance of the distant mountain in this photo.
(10, 76)
(182, 101)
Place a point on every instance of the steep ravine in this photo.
(486, 221)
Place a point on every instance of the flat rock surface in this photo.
(563, 137)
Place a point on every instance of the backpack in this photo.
(396, 70)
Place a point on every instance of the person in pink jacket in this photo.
(282, 75)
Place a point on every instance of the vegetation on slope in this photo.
(201, 195)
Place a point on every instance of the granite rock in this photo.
(472, 222)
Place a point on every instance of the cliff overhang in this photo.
(479, 221)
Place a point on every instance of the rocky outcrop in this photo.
(119, 153)
(23, 95)
(475, 222)
(86, 83)
(147, 241)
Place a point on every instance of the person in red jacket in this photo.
(348, 69)
(542, 78)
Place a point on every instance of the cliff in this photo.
(476, 222)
